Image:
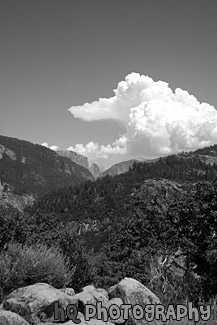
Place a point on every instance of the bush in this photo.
(13, 226)
(22, 265)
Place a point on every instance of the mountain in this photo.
(80, 160)
(158, 216)
(118, 168)
(28, 171)
(106, 201)
(208, 155)
(75, 157)
(95, 170)
(123, 166)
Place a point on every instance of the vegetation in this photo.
(156, 223)
(37, 170)
(22, 265)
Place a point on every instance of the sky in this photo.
(113, 80)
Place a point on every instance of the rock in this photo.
(89, 288)
(68, 291)
(90, 322)
(118, 302)
(69, 322)
(119, 168)
(75, 157)
(8, 152)
(95, 170)
(134, 293)
(100, 295)
(83, 298)
(86, 297)
(35, 302)
(10, 318)
(103, 291)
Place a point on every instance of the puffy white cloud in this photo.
(54, 147)
(158, 121)
(93, 150)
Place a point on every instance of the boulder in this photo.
(84, 298)
(35, 302)
(134, 293)
(69, 291)
(100, 295)
(83, 322)
(103, 291)
(89, 288)
(10, 318)
(69, 322)
(90, 322)
(118, 302)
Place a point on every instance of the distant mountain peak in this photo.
(81, 160)
(124, 166)
(75, 157)
(95, 170)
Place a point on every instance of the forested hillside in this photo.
(93, 200)
(31, 169)
(156, 223)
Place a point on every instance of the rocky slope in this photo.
(9, 198)
(95, 170)
(29, 170)
(119, 168)
(75, 157)
(81, 160)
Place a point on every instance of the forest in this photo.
(156, 223)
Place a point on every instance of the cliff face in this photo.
(119, 168)
(7, 152)
(75, 157)
(18, 201)
(81, 160)
(94, 169)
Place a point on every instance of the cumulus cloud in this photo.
(54, 147)
(93, 150)
(158, 121)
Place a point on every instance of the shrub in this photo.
(22, 265)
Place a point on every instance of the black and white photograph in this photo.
(108, 162)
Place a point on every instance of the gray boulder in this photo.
(35, 302)
(118, 302)
(69, 291)
(134, 293)
(84, 298)
(9, 318)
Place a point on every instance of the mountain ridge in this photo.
(124, 166)
(81, 160)
(30, 170)
(104, 202)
